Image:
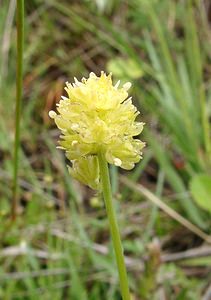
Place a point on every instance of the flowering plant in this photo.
(98, 126)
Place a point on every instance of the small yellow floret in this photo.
(97, 116)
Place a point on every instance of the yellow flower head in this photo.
(97, 116)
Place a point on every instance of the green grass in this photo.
(57, 216)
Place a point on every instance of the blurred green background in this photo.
(59, 246)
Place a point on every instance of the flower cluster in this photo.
(97, 116)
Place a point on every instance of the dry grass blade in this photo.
(192, 253)
(168, 210)
(24, 250)
(207, 294)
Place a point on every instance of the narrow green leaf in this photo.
(200, 187)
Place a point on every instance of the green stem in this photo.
(106, 187)
(19, 89)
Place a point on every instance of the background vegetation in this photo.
(59, 246)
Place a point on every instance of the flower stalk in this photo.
(19, 90)
(106, 188)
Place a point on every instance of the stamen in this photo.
(74, 126)
(117, 84)
(52, 114)
(74, 143)
(117, 162)
(127, 86)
